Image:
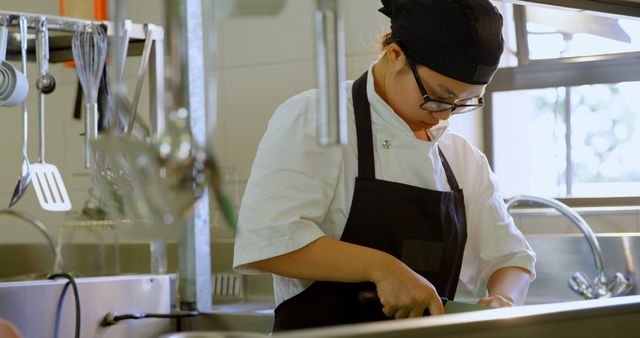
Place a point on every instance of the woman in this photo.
(386, 214)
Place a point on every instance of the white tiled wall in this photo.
(262, 61)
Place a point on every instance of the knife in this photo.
(369, 298)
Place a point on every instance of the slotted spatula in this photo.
(47, 181)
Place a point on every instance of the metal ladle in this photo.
(25, 177)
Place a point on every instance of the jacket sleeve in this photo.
(493, 240)
(291, 185)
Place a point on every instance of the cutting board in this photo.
(458, 307)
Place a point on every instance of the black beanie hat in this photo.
(461, 39)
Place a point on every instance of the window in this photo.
(554, 33)
(562, 116)
(568, 141)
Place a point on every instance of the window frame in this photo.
(559, 72)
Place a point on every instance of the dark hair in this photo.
(386, 39)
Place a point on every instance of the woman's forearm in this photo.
(511, 283)
(403, 292)
(327, 259)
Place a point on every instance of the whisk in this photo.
(89, 47)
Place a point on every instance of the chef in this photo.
(407, 208)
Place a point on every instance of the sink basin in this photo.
(256, 317)
(558, 257)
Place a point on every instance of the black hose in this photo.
(112, 318)
(74, 286)
(56, 328)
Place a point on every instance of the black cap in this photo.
(461, 39)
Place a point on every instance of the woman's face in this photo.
(403, 95)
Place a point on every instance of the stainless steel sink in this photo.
(252, 316)
(559, 256)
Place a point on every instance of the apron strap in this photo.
(366, 166)
(451, 178)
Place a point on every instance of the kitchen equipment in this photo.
(48, 183)
(370, 299)
(14, 86)
(169, 174)
(113, 177)
(158, 182)
(25, 176)
(124, 47)
(451, 306)
(89, 47)
(144, 63)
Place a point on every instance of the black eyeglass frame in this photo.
(448, 105)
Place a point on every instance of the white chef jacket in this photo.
(299, 191)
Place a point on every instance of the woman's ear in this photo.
(395, 57)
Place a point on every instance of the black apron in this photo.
(426, 229)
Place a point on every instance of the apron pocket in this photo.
(422, 255)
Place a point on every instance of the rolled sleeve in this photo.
(290, 188)
(494, 242)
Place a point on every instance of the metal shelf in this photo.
(61, 31)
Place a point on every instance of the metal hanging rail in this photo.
(61, 32)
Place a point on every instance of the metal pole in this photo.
(330, 67)
(187, 90)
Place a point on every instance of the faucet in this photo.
(58, 262)
(579, 282)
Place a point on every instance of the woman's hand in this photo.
(496, 301)
(404, 293)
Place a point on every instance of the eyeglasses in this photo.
(437, 106)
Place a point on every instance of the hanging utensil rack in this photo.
(61, 32)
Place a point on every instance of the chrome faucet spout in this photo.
(578, 282)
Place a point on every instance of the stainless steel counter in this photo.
(31, 305)
(614, 317)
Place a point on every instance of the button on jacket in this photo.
(299, 191)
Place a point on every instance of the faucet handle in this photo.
(580, 284)
(620, 285)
